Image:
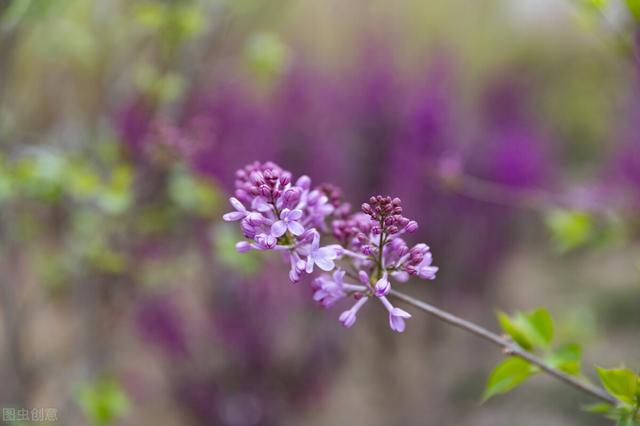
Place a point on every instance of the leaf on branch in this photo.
(529, 330)
(599, 408)
(507, 375)
(621, 383)
(567, 359)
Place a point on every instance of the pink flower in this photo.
(396, 315)
(383, 286)
(265, 242)
(322, 256)
(348, 317)
(327, 291)
(289, 220)
(240, 213)
(425, 270)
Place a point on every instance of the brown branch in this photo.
(508, 347)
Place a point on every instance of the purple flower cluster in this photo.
(276, 213)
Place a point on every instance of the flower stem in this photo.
(508, 347)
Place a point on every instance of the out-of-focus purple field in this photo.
(509, 128)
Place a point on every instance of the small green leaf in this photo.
(103, 402)
(541, 324)
(599, 408)
(507, 375)
(570, 229)
(512, 329)
(529, 330)
(620, 382)
(567, 359)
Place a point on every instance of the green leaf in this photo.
(514, 330)
(634, 8)
(621, 383)
(599, 408)
(103, 402)
(193, 194)
(226, 238)
(507, 375)
(567, 359)
(570, 229)
(266, 55)
(541, 324)
(529, 330)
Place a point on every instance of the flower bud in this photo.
(243, 247)
(412, 226)
(285, 178)
(304, 182)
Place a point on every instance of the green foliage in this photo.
(624, 385)
(163, 87)
(175, 21)
(507, 375)
(568, 358)
(621, 383)
(634, 8)
(266, 55)
(193, 194)
(103, 402)
(570, 228)
(225, 241)
(530, 330)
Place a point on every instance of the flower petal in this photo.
(233, 216)
(309, 266)
(396, 323)
(328, 253)
(296, 228)
(295, 214)
(237, 204)
(325, 264)
(284, 214)
(278, 228)
(400, 313)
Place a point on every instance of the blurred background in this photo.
(510, 128)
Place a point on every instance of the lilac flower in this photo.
(383, 286)
(322, 256)
(297, 267)
(265, 241)
(369, 241)
(396, 315)
(328, 291)
(288, 221)
(348, 317)
(240, 213)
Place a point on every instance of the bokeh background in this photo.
(510, 128)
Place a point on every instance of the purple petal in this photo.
(278, 228)
(295, 214)
(347, 318)
(284, 214)
(237, 205)
(396, 323)
(324, 264)
(233, 216)
(328, 253)
(309, 266)
(400, 313)
(296, 228)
